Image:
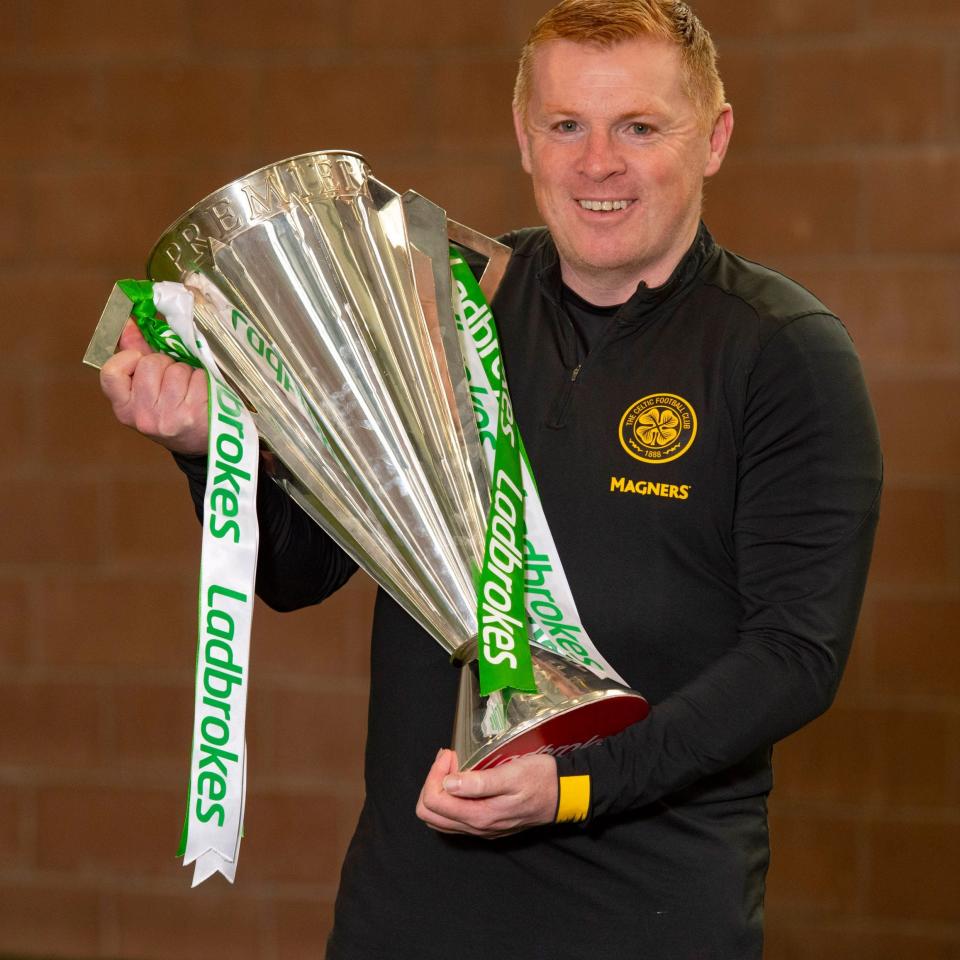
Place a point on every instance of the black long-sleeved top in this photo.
(723, 581)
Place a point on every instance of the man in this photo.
(707, 458)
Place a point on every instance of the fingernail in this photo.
(451, 784)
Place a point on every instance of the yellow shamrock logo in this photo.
(657, 427)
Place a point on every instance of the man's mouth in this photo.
(604, 205)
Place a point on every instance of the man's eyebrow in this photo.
(646, 112)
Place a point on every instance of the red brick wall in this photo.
(845, 172)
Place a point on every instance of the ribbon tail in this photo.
(211, 862)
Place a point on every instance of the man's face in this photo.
(618, 159)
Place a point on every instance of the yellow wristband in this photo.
(574, 801)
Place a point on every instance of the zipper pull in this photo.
(575, 372)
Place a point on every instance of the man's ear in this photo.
(719, 140)
(523, 139)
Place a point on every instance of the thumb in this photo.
(473, 784)
(132, 339)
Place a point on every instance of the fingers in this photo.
(445, 763)
(197, 389)
(488, 803)
(148, 377)
(164, 400)
(116, 377)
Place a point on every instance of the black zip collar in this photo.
(645, 299)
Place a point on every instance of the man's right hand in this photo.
(153, 394)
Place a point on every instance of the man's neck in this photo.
(608, 287)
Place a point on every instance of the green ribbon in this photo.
(503, 648)
(156, 331)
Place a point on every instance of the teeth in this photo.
(598, 205)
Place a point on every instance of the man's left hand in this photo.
(489, 803)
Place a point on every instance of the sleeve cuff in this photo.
(573, 798)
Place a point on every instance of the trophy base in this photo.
(573, 708)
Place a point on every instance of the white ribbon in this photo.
(218, 762)
(552, 613)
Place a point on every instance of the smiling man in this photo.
(707, 459)
(618, 153)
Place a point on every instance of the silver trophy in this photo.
(343, 343)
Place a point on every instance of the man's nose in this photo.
(601, 156)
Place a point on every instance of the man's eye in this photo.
(567, 126)
(641, 129)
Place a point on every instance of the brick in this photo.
(896, 315)
(64, 403)
(267, 26)
(843, 94)
(919, 438)
(318, 731)
(723, 19)
(915, 647)
(294, 836)
(153, 724)
(47, 520)
(110, 830)
(811, 16)
(193, 925)
(910, 203)
(66, 127)
(775, 208)
(11, 816)
(520, 17)
(186, 105)
(16, 622)
(36, 919)
(747, 79)
(833, 759)
(152, 522)
(918, 754)
(63, 27)
(758, 18)
(62, 316)
(331, 640)
(815, 864)
(302, 928)
(49, 724)
(14, 32)
(787, 941)
(14, 201)
(320, 108)
(912, 545)
(97, 205)
(914, 875)
(922, 13)
(472, 100)
(377, 25)
(17, 400)
(132, 620)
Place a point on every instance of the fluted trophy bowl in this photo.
(341, 339)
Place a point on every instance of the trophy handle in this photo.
(105, 337)
(497, 254)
